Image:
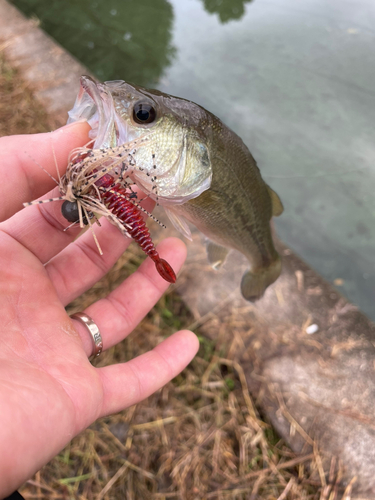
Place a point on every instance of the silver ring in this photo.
(93, 329)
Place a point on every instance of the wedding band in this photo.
(93, 329)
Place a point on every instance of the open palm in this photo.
(49, 391)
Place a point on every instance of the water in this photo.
(112, 38)
(294, 79)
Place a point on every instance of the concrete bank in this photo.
(53, 74)
(307, 353)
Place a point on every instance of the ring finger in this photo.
(120, 312)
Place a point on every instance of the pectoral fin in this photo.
(277, 206)
(216, 254)
(179, 223)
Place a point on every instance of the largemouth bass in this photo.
(193, 165)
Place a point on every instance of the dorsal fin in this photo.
(277, 206)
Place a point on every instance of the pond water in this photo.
(294, 79)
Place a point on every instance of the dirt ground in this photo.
(200, 437)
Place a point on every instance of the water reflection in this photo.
(226, 9)
(115, 39)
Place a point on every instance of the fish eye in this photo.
(144, 112)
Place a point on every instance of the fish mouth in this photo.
(94, 104)
(109, 129)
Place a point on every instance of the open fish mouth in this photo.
(94, 104)
(162, 155)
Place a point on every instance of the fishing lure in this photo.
(117, 200)
(95, 185)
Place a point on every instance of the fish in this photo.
(193, 165)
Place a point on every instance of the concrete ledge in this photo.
(52, 73)
(317, 389)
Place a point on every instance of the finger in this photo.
(22, 179)
(119, 313)
(41, 228)
(79, 266)
(129, 383)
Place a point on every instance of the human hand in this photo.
(49, 391)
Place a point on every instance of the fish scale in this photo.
(194, 166)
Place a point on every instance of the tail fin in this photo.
(254, 284)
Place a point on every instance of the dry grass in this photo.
(19, 112)
(200, 437)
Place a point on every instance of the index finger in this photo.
(22, 179)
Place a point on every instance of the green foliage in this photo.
(230, 383)
(226, 9)
(206, 347)
(115, 39)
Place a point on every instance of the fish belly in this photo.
(235, 227)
